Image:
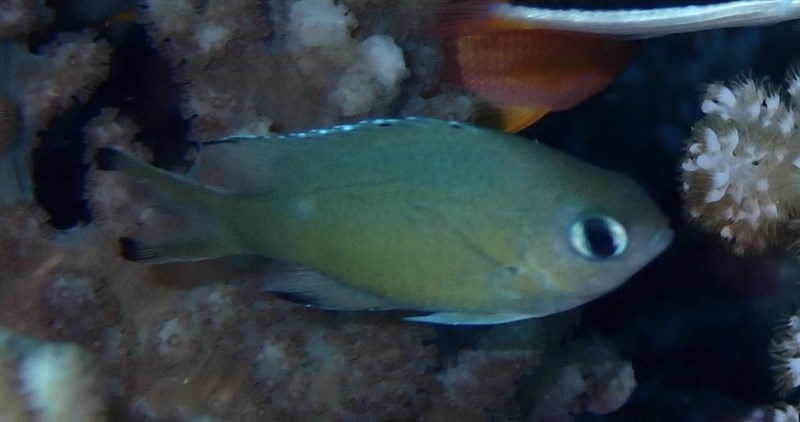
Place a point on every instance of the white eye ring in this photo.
(598, 237)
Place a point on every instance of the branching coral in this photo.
(588, 377)
(742, 170)
(36, 87)
(234, 85)
(484, 377)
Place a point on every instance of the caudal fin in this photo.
(178, 219)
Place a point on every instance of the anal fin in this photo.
(316, 289)
(510, 119)
(167, 248)
(463, 318)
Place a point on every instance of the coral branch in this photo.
(39, 87)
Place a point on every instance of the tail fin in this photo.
(179, 219)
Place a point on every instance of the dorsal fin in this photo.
(246, 164)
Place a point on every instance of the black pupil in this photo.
(599, 237)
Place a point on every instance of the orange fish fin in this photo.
(509, 118)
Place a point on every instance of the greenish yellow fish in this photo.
(467, 224)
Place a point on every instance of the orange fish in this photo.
(526, 61)
(524, 73)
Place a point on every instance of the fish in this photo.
(456, 223)
(520, 75)
(524, 62)
(642, 23)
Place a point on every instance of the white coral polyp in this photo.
(785, 351)
(733, 170)
(745, 102)
(719, 100)
(787, 123)
(793, 80)
(741, 172)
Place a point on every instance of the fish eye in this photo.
(598, 237)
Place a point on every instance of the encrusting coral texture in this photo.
(53, 381)
(586, 377)
(204, 341)
(742, 172)
(331, 66)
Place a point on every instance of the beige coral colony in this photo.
(119, 118)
